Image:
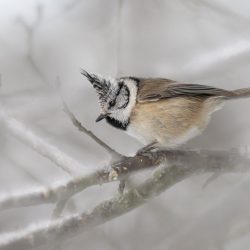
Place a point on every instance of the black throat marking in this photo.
(117, 124)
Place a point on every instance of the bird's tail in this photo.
(240, 93)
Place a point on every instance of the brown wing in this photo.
(157, 89)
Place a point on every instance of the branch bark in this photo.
(175, 167)
(114, 154)
(236, 160)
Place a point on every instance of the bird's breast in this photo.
(170, 122)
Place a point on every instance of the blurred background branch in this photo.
(195, 41)
(31, 30)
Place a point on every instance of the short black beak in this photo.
(101, 117)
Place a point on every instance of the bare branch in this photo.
(211, 178)
(163, 178)
(211, 61)
(114, 154)
(60, 205)
(29, 138)
(201, 160)
(120, 4)
(81, 128)
(31, 30)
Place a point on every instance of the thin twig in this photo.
(60, 205)
(31, 30)
(81, 128)
(210, 179)
(114, 154)
(118, 36)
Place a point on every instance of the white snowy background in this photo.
(195, 41)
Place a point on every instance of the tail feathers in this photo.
(241, 93)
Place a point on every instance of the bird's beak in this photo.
(101, 117)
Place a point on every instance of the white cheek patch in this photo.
(123, 114)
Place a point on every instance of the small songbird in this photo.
(156, 110)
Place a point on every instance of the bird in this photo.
(159, 112)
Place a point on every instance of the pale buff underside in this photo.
(172, 121)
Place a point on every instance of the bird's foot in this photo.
(148, 149)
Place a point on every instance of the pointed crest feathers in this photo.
(101, 84)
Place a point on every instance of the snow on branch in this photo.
(236, 160)
(178, 166)
(217, 161)
(21, 132)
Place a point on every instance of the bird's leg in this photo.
(122, 186)
(147, 149)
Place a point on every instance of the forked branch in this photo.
(169, 173)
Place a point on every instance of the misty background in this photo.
(193, 41)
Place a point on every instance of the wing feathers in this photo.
(155, 90)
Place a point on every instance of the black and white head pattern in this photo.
(117, 97)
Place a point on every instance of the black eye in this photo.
(112, 103)
(123, 98)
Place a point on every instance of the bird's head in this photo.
(116, 97)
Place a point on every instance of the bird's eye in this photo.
(112, 103)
